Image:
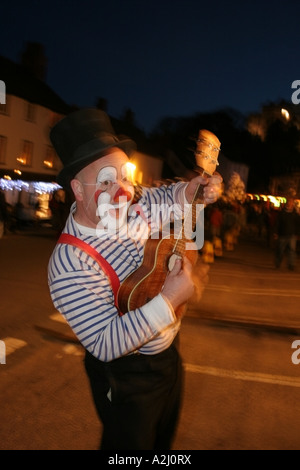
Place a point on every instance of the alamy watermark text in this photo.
(2, 353)
(2, 92)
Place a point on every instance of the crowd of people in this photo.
(277, 227)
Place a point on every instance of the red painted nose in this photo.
(121, 193)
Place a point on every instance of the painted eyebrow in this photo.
(107, 170)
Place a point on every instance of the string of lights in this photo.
(33, 186)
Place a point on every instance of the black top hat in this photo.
(81, 138)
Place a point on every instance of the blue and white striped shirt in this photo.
(82, 292)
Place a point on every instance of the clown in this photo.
(131, 360)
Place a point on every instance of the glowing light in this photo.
(285, 114)
(282, 200)
(18, 172)
(131, 170)
(274, 201)
(21, 160)
(48, 163)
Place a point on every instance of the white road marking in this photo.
(74, 350)
(245, 375)
(12, 344)
(255, 291)
(58, 317)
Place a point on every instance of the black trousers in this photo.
(138, 399)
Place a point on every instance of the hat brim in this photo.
(71, 170)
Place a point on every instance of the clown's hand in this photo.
(179, 285)
(212, 188)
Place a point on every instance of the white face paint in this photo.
(113, 214)
(106, 178)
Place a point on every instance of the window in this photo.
(3, 141)
(49, 161)
(26, 155)
(29, 112)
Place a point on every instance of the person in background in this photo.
(131, 359)
(59, 210)
(215, 221)
(286, 233)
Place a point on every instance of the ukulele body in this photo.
(147, 281)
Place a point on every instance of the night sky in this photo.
(161, 57)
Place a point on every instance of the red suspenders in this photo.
(109, 271)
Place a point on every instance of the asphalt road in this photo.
(241, 386)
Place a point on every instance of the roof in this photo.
(19, 82)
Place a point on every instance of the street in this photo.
(241, 385)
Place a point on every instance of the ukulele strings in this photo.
(182, 225)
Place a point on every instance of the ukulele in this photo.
(161, 253)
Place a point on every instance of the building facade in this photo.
(28, 162)
(30, 109)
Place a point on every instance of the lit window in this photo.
(26, 155)
(49, 161)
